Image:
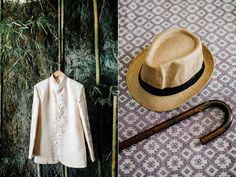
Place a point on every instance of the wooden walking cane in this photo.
(228, 118)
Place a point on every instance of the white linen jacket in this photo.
(59, 123)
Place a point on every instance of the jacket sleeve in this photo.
(85, 122)
(34, 122)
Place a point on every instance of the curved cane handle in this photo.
(228, 118)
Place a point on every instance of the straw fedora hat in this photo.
(172, 70)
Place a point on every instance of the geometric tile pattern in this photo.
(177, 151)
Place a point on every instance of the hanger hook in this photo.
(228, 118)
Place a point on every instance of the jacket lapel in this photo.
(57, 85)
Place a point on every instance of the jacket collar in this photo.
(58, 84)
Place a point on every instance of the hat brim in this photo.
(165, 103)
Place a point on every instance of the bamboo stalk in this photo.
(65, 171)
(39, 170)
(98, 74)
(96, 37)
(61, 64)
(114, 136)
(61, 54)
(59, 32)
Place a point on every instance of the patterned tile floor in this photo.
(176, 151)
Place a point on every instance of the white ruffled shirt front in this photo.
(60, 123)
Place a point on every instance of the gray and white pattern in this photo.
(177, 151)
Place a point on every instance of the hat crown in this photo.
(173, 58)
